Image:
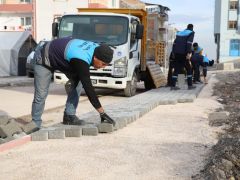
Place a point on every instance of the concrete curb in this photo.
(14, 143)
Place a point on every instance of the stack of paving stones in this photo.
(124, 112)
(11, 130)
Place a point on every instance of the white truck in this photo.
(125, 31)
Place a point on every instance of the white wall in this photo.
(222, 16)
(47, 9)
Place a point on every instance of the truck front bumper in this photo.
(97, 81)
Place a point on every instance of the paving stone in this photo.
(4, 119)
(57, 133)
(228, 66)
(5, 140)
(9, 129)
(2, 140)
(30, 127)
(217, 118)
(105, 128)
(17, 136)
(89, 130)
(41, 135)
(218, 115)
(73, 131)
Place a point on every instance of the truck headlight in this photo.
(120, 67)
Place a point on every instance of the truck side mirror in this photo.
(139, 31)
(55, 29)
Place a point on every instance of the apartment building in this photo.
(37, 15)
(227, 29)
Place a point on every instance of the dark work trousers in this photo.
(196, 71)
(204, 65)
(180, 63)
(170, 72)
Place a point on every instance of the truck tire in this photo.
(148, 82)
(131, 88)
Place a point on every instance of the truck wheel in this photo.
(131, 88)
(148, 82)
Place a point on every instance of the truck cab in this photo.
(122, 31)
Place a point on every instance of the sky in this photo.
(198, 13)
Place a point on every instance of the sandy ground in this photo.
(170, 142)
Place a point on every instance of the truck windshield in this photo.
(112, 30)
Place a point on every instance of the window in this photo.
(233, 5)
(232, 24)
(25, 1)
(234, 47)
(26, 21)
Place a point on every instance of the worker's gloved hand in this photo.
(189, 55)
(107, 119)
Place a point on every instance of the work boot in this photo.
(191, 87)
(72, 120)
(175, 88)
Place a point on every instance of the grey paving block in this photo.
(41, 135)
(217, 118)
(30, 127)
(5, 140)
(73, 131)
(58, 133)
(4, 119)
(17, 136)
(9, 129)
(105, 128)
(89, 130)
(218, 115)
(2, 140)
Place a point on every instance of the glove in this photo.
(106, 118)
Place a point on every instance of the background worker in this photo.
(182, 49)
(198, 59)
(73, 57)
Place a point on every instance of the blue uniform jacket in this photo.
(183, 42)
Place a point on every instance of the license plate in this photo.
(94, 81)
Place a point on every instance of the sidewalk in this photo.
(15, 81)
(169, 142)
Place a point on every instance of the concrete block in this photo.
(73, 131)
(228, 66)
(217, 118)
(4, 119)
(5, 140)
(41, 135)
(89, 130)
(105, 128)
(17, 136)
(218, 115)
(120, 123)
(30, 127)
(2, 141)
(9, 129)
(58, 133)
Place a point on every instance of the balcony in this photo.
(16, 8)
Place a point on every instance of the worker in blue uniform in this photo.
(182, 49)
(73, 57)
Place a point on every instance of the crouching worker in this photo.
(73, 57)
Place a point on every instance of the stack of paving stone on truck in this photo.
(132, 34)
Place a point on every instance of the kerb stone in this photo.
(41, 135)
(89, 130)
(105, 128)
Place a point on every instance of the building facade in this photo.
(37, 15)
(227, 29)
